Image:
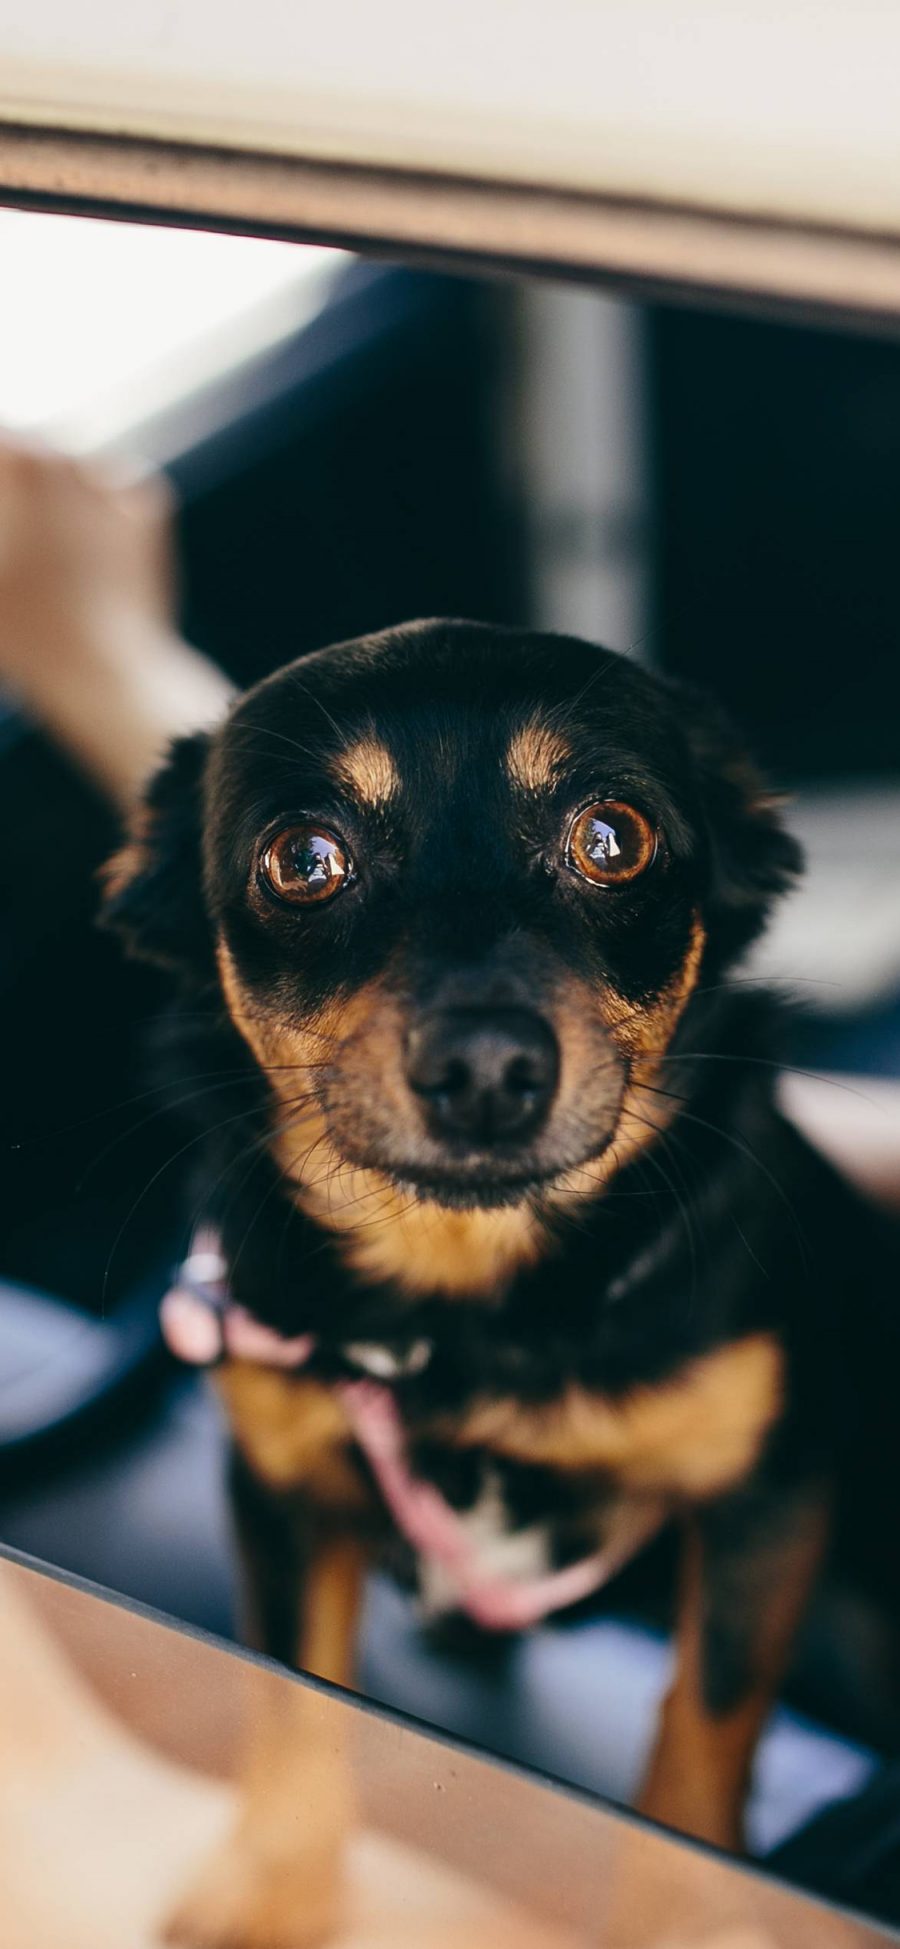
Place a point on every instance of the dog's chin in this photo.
(485, 1181)
(481, 1188)
(457, 1193)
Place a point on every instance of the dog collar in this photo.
(202, 1325)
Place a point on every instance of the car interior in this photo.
(352, 443)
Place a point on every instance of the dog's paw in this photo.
(248, 1899)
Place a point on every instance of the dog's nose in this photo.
(484, 1074)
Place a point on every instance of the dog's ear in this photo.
(153, 885)
(753, 857)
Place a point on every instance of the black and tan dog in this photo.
(452, 911)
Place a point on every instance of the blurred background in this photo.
(353, 444)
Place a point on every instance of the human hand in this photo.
(85, 560)
(87, 638)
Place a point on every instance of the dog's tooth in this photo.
(385, 1365)
(377, 1361)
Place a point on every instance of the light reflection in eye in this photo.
(304, 864)
(604, 845)
(610, 843)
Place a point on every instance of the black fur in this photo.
(734, 1226)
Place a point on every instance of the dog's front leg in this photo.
(749, 1562)
(303, 1569)
(277, 1883)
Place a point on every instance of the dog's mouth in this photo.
(490, 1184)
(471, 1191)
(465, 1177)
(491, 1125)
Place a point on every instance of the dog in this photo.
(510, 1257)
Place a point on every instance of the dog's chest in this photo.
(688, 1437)
(585, 1478)
(505, 1549)
(509, 1508)
(520, 1536)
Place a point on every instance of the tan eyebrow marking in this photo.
(535, 757)
(368, 770)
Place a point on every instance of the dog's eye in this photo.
(610, 843)
(304, 864)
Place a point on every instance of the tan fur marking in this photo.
(275, 1881)
(122, 868)
(387, 1236)
(331, 1599)
(691, 1436)
(293, 1432)
(643, 1033)
(423, 1248)
(700, 1769)
(535, 757)
(257, 1029)
(368, 771)
(131, 858)
(283, 1055)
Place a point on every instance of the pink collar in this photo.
(201, 1325)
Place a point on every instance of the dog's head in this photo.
(458, 886)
